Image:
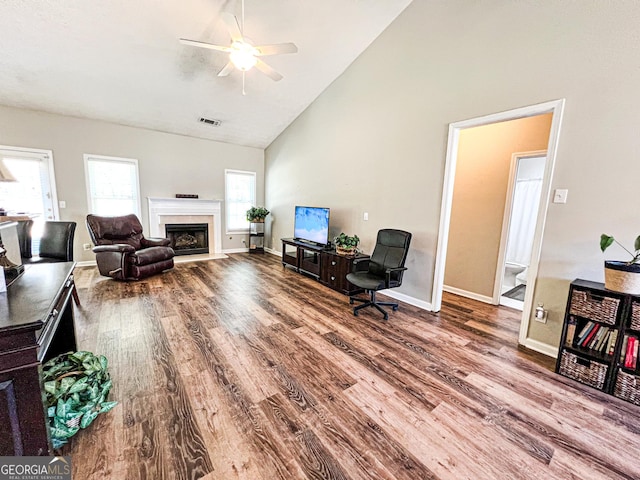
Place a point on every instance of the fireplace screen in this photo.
(188, 238)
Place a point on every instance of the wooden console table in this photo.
(36, 323)
(324, 265)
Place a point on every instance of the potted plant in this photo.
(622, 276)
(346, 245)
(76, 386)
(257, 214)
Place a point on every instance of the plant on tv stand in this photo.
(345, 244)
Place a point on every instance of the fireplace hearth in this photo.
(188, 238)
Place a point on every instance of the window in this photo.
(112, 185)
(240, 196)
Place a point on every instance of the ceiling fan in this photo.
(242, 54)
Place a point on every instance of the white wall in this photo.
(168, 163)
(375, 140)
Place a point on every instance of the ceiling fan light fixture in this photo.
(243, 56)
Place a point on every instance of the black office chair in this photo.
(56, 245)
(383, 270)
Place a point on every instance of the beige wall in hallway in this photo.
(375, 140)
(479, 195)
(168, 164)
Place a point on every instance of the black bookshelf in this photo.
(594, 347)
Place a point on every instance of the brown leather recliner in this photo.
(122, 251)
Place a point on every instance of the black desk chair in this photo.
(383, 270)
(56, 245)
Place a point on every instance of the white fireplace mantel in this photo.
(166, 207)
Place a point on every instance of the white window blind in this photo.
(240, 196)
(112, 185)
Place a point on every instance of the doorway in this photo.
(518, 227)
(556, 108)
(34, 191)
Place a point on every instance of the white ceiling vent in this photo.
(211, 121)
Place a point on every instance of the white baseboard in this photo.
(416, 302)
(540, 347)
(86, 263)
(471, 295)
(235, 250)
(272, 251)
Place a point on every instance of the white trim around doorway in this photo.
(556, 107)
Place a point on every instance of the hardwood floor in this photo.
(238, 368)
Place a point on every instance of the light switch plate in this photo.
(560, 195)
(62, 204)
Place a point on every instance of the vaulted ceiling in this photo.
(121, 61)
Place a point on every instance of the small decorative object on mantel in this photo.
(186, 195)
(257, 214)
(346, 245)
(622, 276)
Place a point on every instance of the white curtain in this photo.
(526, 198)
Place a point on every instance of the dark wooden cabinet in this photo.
(36, 323)
(302, 257)
(324, 265)
(335, 269)
(597, 328)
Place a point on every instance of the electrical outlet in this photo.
(86, 246)
(541, 314)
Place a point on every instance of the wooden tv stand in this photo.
(325, 265)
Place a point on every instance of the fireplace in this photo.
(188, 238)
(163, 211)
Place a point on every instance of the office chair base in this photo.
(371, 302)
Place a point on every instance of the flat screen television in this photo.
(312, 225)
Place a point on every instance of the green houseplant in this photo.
(346, 245)
(622, 276)
(76, 386)
(257, 214)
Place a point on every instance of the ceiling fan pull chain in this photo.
(242, 26)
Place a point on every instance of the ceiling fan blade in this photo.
(226, 70)
(232, 25)
(211, 46)
(268, 71)
(276, 49)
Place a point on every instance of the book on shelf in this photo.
(623, 350)
(602, 341)
(597, 337)
(611, 348)
(631, 350)
(585, 343)
(571, 330)
(584, 332)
